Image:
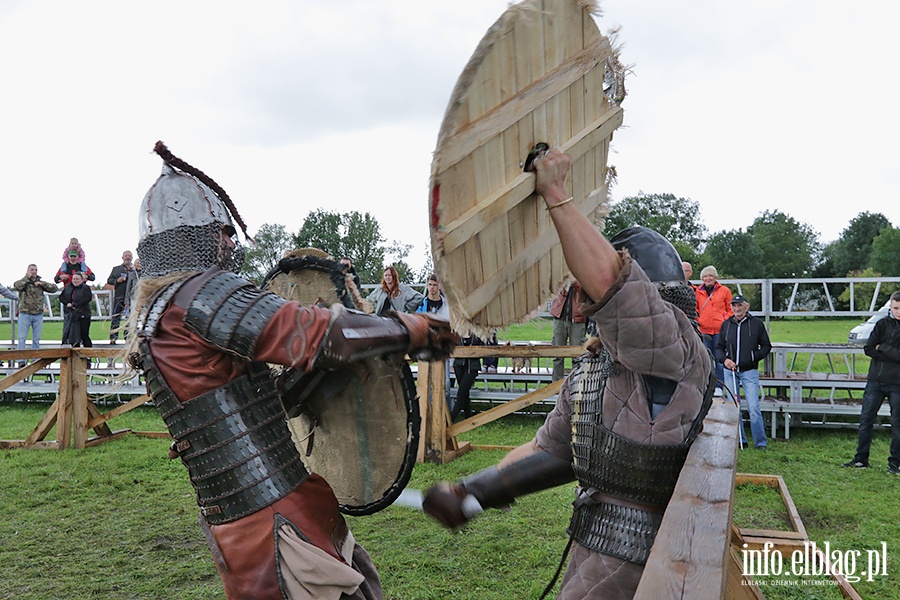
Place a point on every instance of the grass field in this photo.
(119, 520)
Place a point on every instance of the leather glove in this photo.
(445, 502)
(430, 338)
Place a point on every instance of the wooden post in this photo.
(423, 379)
(64, 409)
(438, 408)
(79, 401)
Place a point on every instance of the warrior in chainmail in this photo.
(626, 415)
(204, 338)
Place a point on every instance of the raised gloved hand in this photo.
(430, 338)
(451, 505)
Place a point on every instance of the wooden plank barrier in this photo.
(73, 413)
(437, 438)
(692, 551)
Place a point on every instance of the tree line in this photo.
(773, 246)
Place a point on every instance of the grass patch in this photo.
(760, 507)
(119, 520)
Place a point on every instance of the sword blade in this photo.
(410, 499)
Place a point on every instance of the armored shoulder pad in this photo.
(231, 313)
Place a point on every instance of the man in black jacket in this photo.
(743, 342)
(118, 280)
(882, 382)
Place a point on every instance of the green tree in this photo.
(364, 244)
(885, 257)
(427, 267)
(321, 229)
(397, 253)
(677, 219)
(853, 249)
(862, 292)
(735, 254)
(271, 243)
(789, 248)
(353, 234)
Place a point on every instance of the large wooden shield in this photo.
(542, 73)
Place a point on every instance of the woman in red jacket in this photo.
(713, 307)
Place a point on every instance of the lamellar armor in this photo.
(234, 439)
(624, 485)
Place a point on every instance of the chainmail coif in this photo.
(189, 248)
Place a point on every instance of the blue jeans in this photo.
(36, 323)
(710, 341)
(749, 380)
(872, 398)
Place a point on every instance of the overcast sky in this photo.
(295, 105)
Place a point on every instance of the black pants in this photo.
(77, 330)
(465, 377)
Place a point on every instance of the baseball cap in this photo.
(739, 299)
(73, 252)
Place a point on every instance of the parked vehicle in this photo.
(860, 334)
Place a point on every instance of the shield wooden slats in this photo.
(536, 76)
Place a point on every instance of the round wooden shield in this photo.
(314, 277)
(358, 427)
(542, 73)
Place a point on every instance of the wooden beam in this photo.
(106, 438)
(423, 378)
(100, 428)
(157, 435)
(542, 351)
(100, 419)
(53, 353)
(79, 402)
(64, 414)
(440, 416)
(14, 444)
(27, 371)
(737, 586)
(491, 447)
(504, 409)
(44, 426)
(691, 553)
(777, 482)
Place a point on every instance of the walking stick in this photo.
(737, 400)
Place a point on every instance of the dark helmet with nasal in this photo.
(660, 261)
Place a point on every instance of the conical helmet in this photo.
(184, 225)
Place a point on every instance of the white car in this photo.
(860, 334)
